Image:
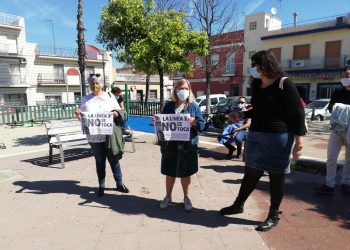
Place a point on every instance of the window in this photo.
(301, 52)
(230, 63)
(214, 59)
(197, 62)
(277, 53)
(58, 70)
(200, 92)
(53, 98)
(251, 53)
(213, 101)
(153, 94)
(252, 25)
(267, 23)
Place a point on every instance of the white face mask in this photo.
(254, 72)
(241, 105)
(183, 94)
(345, 82)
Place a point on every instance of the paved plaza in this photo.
(45, 207)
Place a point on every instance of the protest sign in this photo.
(172, 127)
(97, 123)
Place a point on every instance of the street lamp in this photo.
(102, 52)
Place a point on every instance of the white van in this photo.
(214, 99)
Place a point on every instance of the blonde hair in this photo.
(174, 97)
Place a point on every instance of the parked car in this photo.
(321, 111)
(214, 99)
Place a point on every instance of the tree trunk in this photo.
(147, 87)
(207, 84)
(81, 47)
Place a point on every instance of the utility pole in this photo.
(53, 35)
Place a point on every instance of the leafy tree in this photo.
(215, 18)
(150, 40)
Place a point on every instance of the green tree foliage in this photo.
(150, 40)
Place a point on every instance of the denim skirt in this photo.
(269, 152)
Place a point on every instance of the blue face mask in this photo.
(254, 72)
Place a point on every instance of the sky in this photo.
(63, 16)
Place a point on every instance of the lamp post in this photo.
(53, 35)
(102, 53)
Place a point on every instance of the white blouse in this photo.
(101, 103)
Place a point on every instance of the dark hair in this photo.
(242, 97)
(268, 63)
(116, 90)
(346, 68)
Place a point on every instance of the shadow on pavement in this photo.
(69, 155)
(130, 204)
(215, 153)
(300, 188)
(31, 141)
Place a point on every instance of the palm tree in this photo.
(81, 46)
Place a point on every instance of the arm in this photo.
(293, 106)
(197, 122)
(332, 102)
(121, 104)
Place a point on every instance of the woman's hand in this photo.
(115, 113)
(297, 151)
(77, 113)
(153, 120)
(192, 121)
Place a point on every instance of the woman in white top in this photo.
(100, 101)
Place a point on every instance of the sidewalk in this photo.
(45, 207)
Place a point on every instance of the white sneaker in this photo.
(187, 204)
(165, 203)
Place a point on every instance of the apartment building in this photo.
(32, 74)
(137, 84)
(226, 63)
(312, 53)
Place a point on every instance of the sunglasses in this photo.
(97, 75)
(240, 102)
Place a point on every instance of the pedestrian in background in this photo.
(100, 101)
(277, 124)
(180, 158)
(339, 106)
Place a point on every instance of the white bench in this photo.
(67, 133)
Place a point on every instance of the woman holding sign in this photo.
(100, 101)
(180, 158)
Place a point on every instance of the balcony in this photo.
(44, 50)
(229, 70)
(316, 63)
(12, 79)
(9, 20)
(51, 79)
(10, 50)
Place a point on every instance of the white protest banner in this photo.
(172, 127)
(97, 123)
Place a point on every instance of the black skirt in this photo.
(183, 162)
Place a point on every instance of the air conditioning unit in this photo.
(340, 20)
(347, 62)
(297, 63)
(23, 60)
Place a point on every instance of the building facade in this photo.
(137, 84)
(312, 53)
(32, 74)
(226, 65)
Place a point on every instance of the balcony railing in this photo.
(11, 20)
(12, 79)
(316, 63)
(9, 49)
(45, 50)
(51, 78)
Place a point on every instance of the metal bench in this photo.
(67, 133)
